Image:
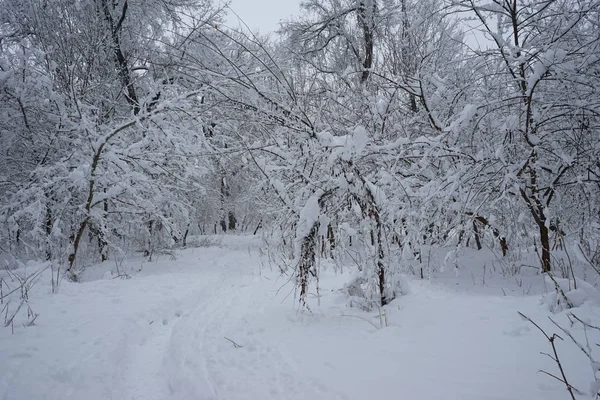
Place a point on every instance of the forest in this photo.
(368, 145)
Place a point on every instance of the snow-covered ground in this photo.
(218, 323)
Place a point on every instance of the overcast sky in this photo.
(263, 15)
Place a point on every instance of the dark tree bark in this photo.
(476, 234)
(232, 221)
(366, 20)
(331, 237)
(537, 212)
(120, 59)
(185, 235)
(484, 221)
(48, 228)
(307, 262)
(102, 244)
(89, 203)
(258, 226)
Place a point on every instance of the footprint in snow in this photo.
(165, 321)
(518, 331)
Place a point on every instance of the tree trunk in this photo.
(224, 195)
(232, 221)
(331, 237)
(120, 60)
(73, 255)
(257, 227)
(380, 263)
(545, 240)
(366, 17)
(185, 235)
(537, 212)
(476, 234)
(483, 221)
(102, 244)
(48, 227)
(307, 261)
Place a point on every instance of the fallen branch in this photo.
(237, 346)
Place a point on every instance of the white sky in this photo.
(263, 15)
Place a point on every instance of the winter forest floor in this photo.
(219, 323)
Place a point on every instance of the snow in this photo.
(168, 332)
(345, 147)
(465, 116)
(309, 214)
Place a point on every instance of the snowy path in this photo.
(161, 335)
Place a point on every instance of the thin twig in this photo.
(559, 290)
(586, 257)
(534, 324)
(361, 318)
(237, 346)
(551, 339)
(31, 323)
(584, 323)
